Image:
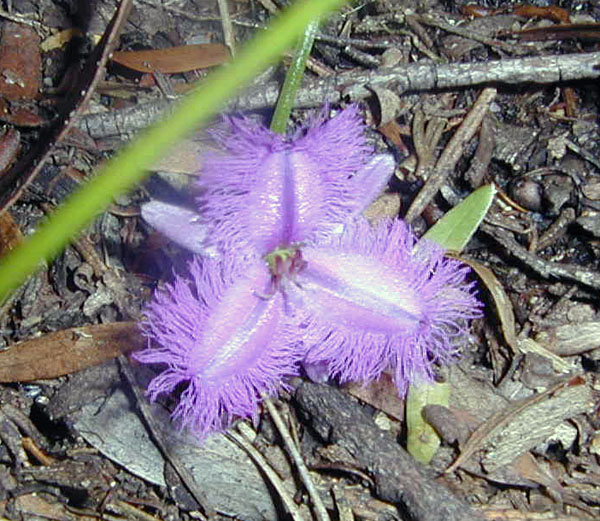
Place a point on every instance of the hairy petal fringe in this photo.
(216, 334)
(263, 191)
(370, 299)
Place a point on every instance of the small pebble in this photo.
(527, 193)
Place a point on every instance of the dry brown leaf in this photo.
(381, 394)
(585, 32)
(10, 233)
(21, 61)
(175, 59)
(529, 468)
(553, 12)
(67, 351)
(395, 133)
(503, 303)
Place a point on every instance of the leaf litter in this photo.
(533, 428)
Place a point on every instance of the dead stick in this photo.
(320, 510)
(398, 478)
(546, 269)
(452, 153)
(411, 77)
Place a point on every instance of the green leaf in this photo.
(422, 440)
(293, 77)
(454, 230)
(128, 168)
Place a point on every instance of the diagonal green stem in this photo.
(293, 78)
(126, 169)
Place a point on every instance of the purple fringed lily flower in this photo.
(370, 299)
(343, 298)
(220, 337)
(264, 190)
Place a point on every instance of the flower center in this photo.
(284, 263)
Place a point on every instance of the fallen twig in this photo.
(357, 86)
(227, 27)
(339, 420)
(242, 440)
(542, 267)
(320, 509)
(452, 153)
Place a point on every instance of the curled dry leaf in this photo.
(67, 351)
(503, 304)
(389, 104)
(507, 318)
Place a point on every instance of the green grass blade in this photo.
(293, 78)
(453, 232)
(456, 227)
(127, 168)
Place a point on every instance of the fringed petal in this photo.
(218, 334)
(263, 192)
(180, 225)
(368, 300)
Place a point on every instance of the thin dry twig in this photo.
(294, 453)
(483, 154)
(183, 473)
(25, 20)
(542, 267)
(357, 86)
(470, 35)
(228, 36)
(243, 440)
(451, 154)
(556, 230)
(426, 136)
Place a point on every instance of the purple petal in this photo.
(218, 335)
(368, 300)
(180, 225)
(371, 180)
(264, 191)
